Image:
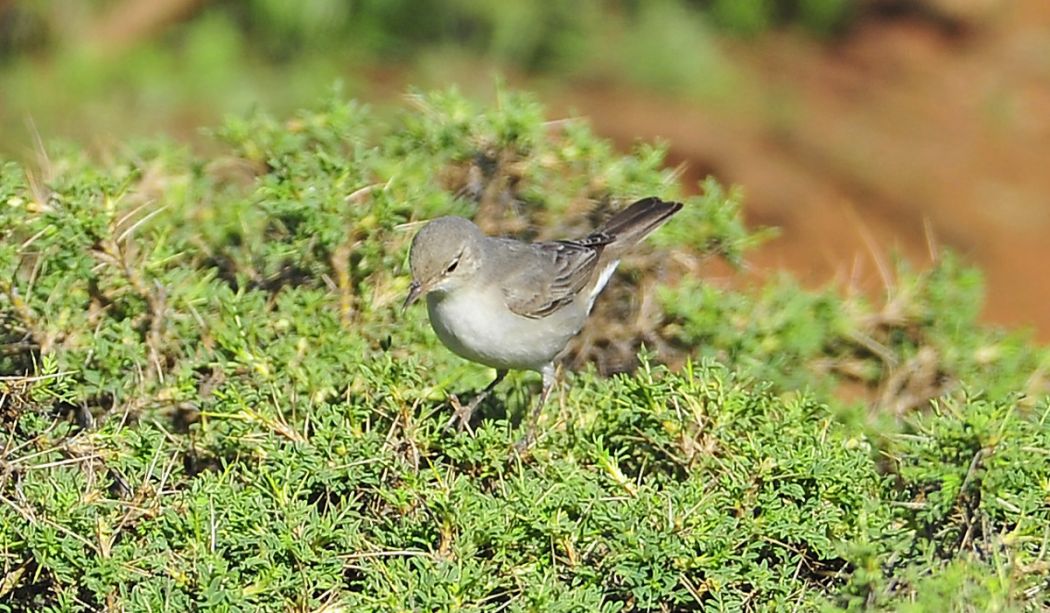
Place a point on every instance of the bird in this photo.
(514, 305)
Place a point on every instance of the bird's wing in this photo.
(551, 274)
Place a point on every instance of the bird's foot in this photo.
(461, 414)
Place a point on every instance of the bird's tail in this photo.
(628, 227)
(623, 231)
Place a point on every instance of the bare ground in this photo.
(905, 136)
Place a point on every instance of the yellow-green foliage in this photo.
(212, 401)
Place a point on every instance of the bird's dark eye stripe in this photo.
(452, 266)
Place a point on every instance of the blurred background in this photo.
(863, 129)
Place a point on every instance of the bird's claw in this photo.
(460, 414)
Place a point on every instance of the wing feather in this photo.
(562, 270)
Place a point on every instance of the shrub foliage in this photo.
(210, 399)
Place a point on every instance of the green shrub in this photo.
(211, 399)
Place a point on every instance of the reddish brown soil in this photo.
(913, 131)
(904, 137)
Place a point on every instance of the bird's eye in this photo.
(452, 267)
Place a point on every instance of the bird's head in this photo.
(444, 255)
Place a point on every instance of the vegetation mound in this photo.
(210, 399)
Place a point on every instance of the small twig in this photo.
(358, 194)
(62, 462)
(59, 527)
(394, 553)
(126, 233)
(34, 378)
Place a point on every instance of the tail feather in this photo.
(623, 231)
(628, 227)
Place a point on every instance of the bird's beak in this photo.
(414, 292)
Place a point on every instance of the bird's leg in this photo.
(464, 413)
(534, 415)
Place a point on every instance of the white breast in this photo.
(478, 326)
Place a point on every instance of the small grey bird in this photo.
(512, 305)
